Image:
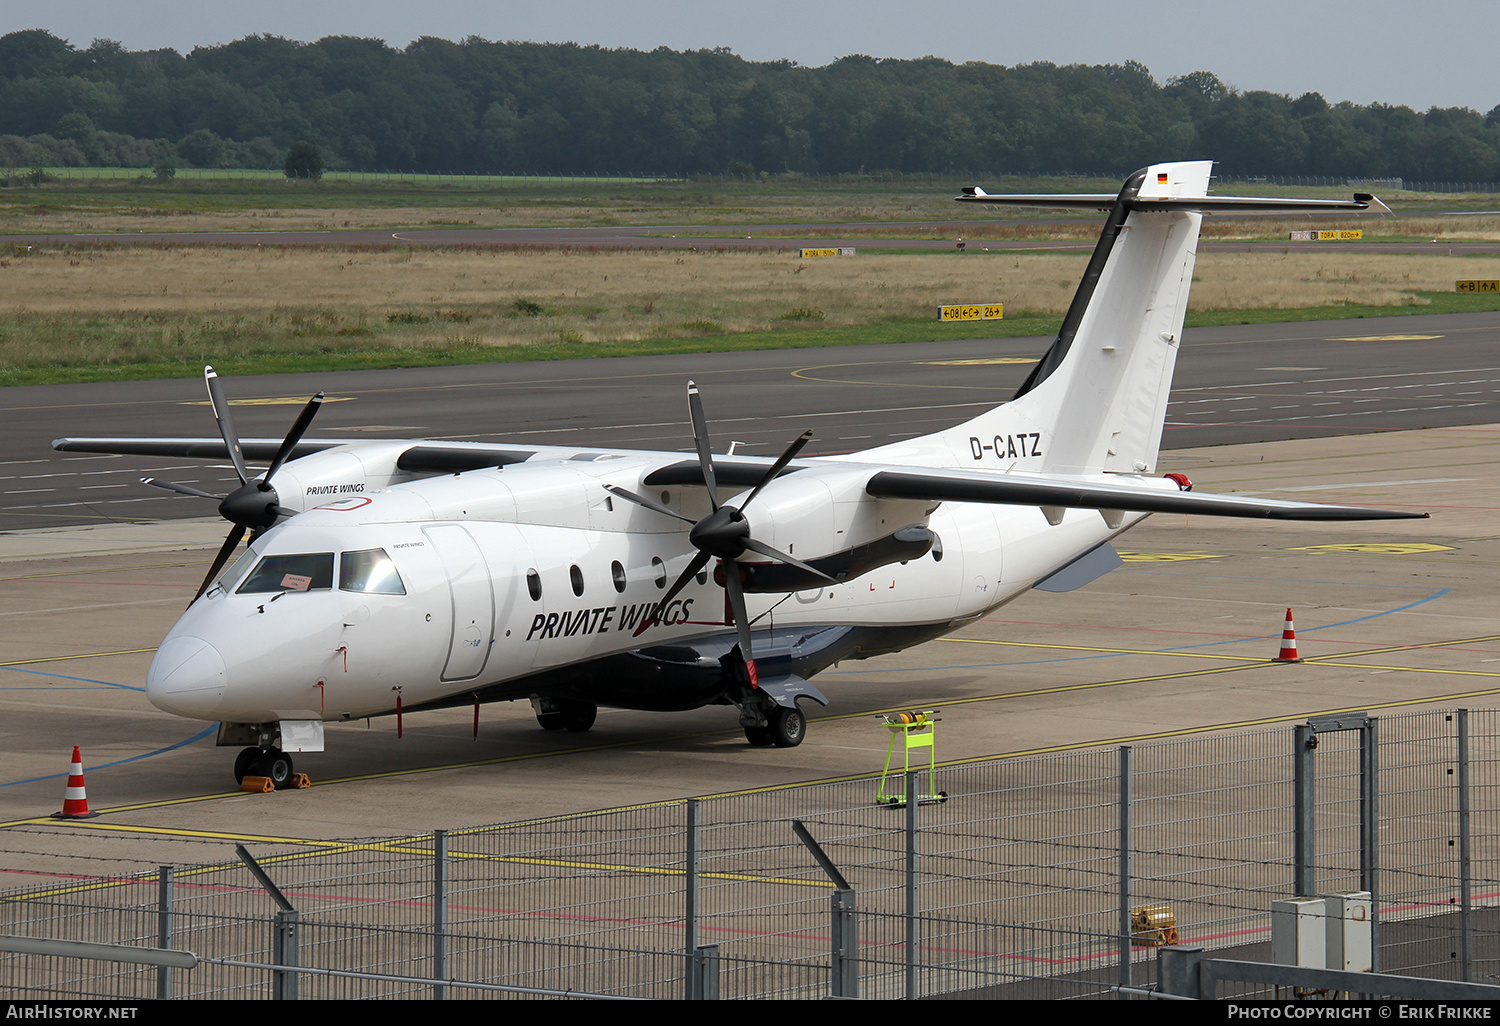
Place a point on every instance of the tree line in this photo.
(511, 107)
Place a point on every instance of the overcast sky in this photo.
(1439, 53)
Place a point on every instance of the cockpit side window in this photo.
(369, 570)
(239, 568)
(310, 571)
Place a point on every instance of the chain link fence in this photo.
(1011, 878)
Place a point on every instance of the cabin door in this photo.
(473, 601)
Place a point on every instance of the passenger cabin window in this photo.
(617, 574)
(534, 585)
(659, 571)
(309, 571)
(577, 577)
(371, 571)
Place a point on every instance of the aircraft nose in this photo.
(187, 678)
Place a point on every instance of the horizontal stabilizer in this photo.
(1029, 490)
(1199, 204)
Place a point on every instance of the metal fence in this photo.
(1016, 879)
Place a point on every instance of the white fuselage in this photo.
(507, 573)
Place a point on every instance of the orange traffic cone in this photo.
(75, 800)
(1288, 652)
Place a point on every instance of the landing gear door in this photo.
(473, 601)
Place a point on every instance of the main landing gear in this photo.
(784, 728)
(564, 713)
(265, 762)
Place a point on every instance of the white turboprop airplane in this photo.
(389, 576)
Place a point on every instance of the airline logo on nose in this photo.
(345, 505)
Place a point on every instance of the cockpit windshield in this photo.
(311, 571)
(369, 570)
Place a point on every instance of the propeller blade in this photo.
(235, 534)
(700, 439)
(735, 589)
(780, 465)
(179, 488)
(226, 422)
(699, 561)
(776, 554)
(295, 434)
(641, 500)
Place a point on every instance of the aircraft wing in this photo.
(259, 449)
(456, 457)
(1032, 490)
(420, 457)
(736, 471)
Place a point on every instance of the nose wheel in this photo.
(264, 762)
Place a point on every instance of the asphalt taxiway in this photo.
(1391, 616)
(1235, 384)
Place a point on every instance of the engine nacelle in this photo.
(911, 542)
(826, 514)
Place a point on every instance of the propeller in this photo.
(254, 506)
(724, 533)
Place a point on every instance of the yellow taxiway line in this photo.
(1238, 663)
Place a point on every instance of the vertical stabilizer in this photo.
(1097, 399)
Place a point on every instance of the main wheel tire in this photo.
(579, 716)
(275, 764)
(244, 761)
(551, 721)
(788, 728)
(759, 737)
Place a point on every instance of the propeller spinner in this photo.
(254, 505)
(724, 533)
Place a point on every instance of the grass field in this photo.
(91, 312)
(104, 312)
(206, 204)
(214, 201)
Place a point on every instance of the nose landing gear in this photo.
(271, 763)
